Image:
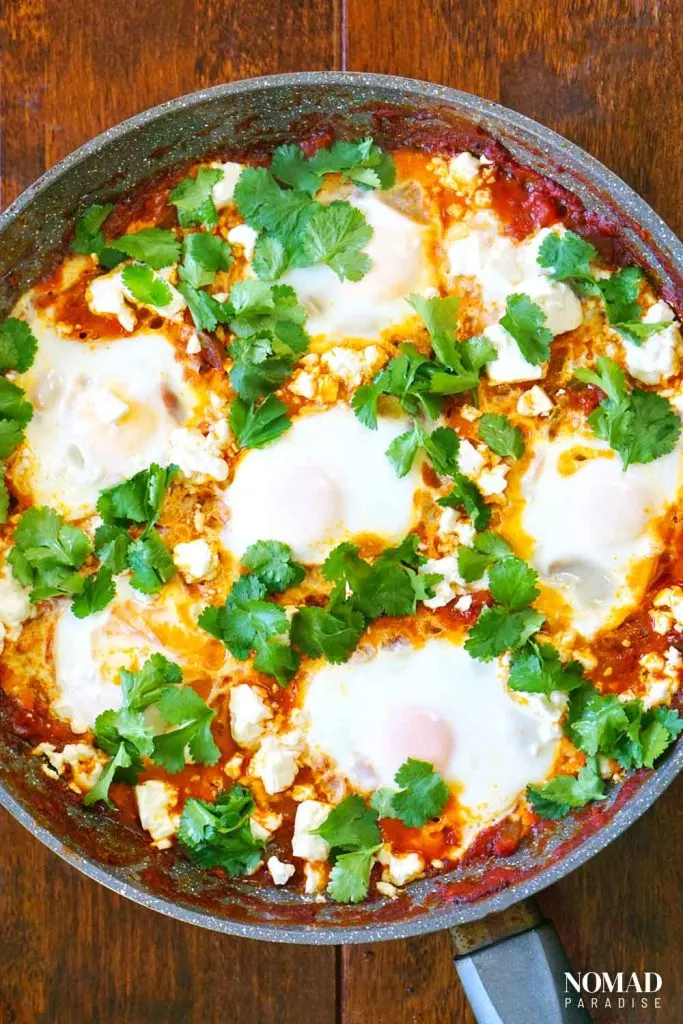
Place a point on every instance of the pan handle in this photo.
(512, 967)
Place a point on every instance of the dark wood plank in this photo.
(609, 80)
(71, 950)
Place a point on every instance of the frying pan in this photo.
(510, 962)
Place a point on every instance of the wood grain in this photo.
(605, 75)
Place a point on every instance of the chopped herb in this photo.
(422, 795)
(271, 562)
(145, 286)
(150, 562)
(255, 426)
(525, 321)
(48, 553)
(193, 198)
(18, 345)
(501, 436)
(98, 590)
(219, 835)
(203, 256)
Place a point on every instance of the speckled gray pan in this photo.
(239, 117)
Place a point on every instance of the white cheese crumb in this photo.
(309, 816)
(196, 560)
(470, 413)
(194, 346)
(400, 868)
(275, 765)
(346, 364)
(15, 606)
(81, 763)
(245, 236)
(443, 590)
(196, 455)
(464, 603)
(534, 402)
(562, 308)
(302, 384)
(470, 461)
(509, 366)
(671, 598)
(105, 296)
(223, 191)
(658, 357)
(493, 481)
(248, 712)
(280, 872)
(387, 889)
(464, 167)
(315, 878)
(156, 800)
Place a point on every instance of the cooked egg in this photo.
(400, 253)
(594, 526)
(102, 411)
(437, 704)
(324, 481)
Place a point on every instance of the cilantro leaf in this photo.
(442, 447)
(4, 497)
(89, 239)
(351, 825)
(335, 235)
(11, 435)
(271, 562)
(276, 659)
(324, 634)
(111, 547)
(465, 494)
(350, 876)
(567, 255)
(150, 562)
(142, 689)
(145, 286)
(193, 198)
(407, 377)
(47, 553)
(637, 331)
(595, 722)
(537, 668)
(620, 293)
(255, 426)
(557, 797)
(264, 206)
(498, 630)
(139, 499)
(525, 321)
(100, 791)
(13, 404)
(154, 246)
(127, 727)
(270, 260)
(501, 436)
(513, 583)
(403, 449)
(18, 345)
(220, 834)
(487, 548)
(422, 795)
(98, 590)
(203, 256)
(361, 161)
(183, 707)
(290, 166)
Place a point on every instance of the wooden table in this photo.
(608, 79)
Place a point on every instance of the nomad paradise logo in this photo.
(591, 990)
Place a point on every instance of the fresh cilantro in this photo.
(422, 795)
(641, 425)
(290, 166)
(98, 590)
(139, 499)
(4, 497)
(18, 345)
(407, 378)
(89, 239)
(525, 322)
(620, 293)
(501, 436)
(111, 547)
(220, 834)
(266, 207)
(247, 623)
(203, 256)
(47, 553)
(100, 791)
(321, 633)
(442, 447)
(335, 235)
(184, 708)
(563, 793)
(150, 562)
(255, 426)
(145, 286)
(465, 494)
(361, 161)
(13, 404)
(404, 448)
(11, 436)
(154, 246)
(353, 834)
(487, 548)
(271, 562)
(193, 199)
(206, 312)
(144, 688)
(513, 583)
(498, 630)
(269, 260)
(567, 255)
(537, 668)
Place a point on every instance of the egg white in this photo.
(324, 481)
(593, 529)
(359, 716)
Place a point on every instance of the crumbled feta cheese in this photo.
(105, 296)
(223, 191)
(15, 606)
(233, 767)
(196, 560)
(671, 598)
(81, 763)
(470, 461)
(464, 603)
(443, 590)
(303, 384)
(464, 167)
(280, 872)
(275, 765)
(346, 364)
(258, 830)
(493, 481)
(196, 455)
(309, 816)
(156, 801)
(509, 365)
(534, 402)
(470, 413)
(387, 889)
(658, 357)
(245, 236)
(400, 868)
(248, 712)
(194, 345)
(561, 306)
(315, 878)
(662, 621)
